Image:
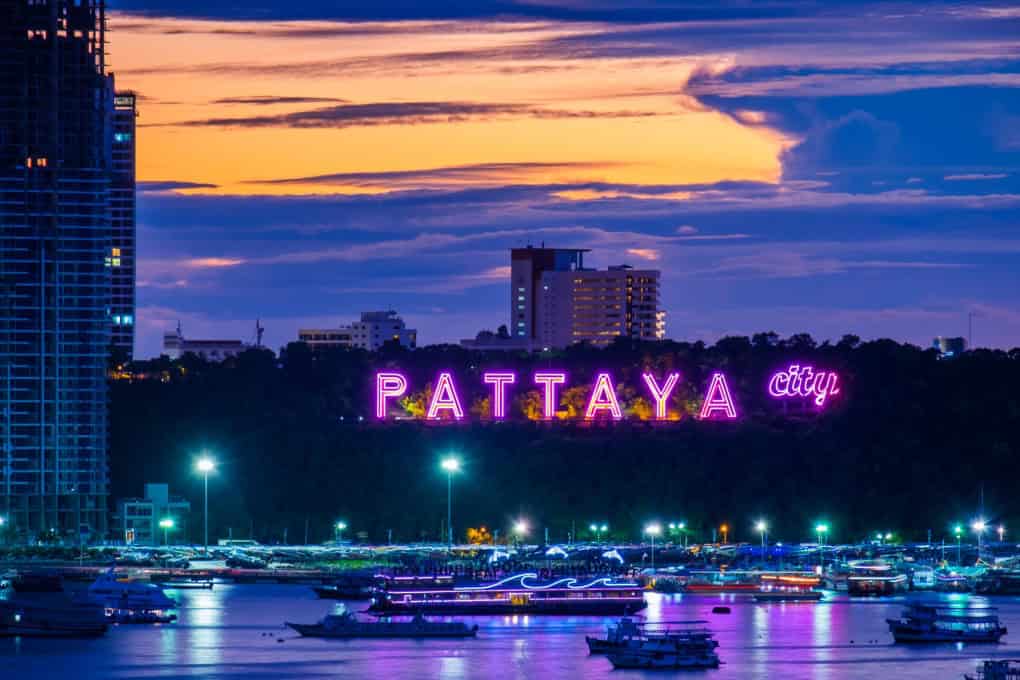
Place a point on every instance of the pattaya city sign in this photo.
(801, 383)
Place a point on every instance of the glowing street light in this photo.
(761, 527)
(725, 531)
(979, 527)
(520, 529)
(598, 529)
(450, 464)
(205, 465)
(653, 530)
(1001, 530)
(338, 530)
(166, 525)
(958, 530)
(821, 530)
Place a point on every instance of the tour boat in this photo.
(875, 577)
(626, 633)
(691, 648)
(517, 594)
(719, 582)
(347, 625)
(50, 615)
(788, 588)
(927, 623)
(1005, 669)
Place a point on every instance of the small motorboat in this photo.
(927, 623)
(50, 615)
(1004, 669)
(347, 625)
(113, 593)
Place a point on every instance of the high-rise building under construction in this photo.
(56, 129)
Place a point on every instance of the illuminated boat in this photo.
(720, 582)
(788, 588)
(951, 582)
(875, 578)
(690, 648)
(627, 634)
(927, 623)
(517, 594)
(347, 625)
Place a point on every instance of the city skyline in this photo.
(302, 165)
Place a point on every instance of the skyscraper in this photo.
(121, 258)
(54, 286)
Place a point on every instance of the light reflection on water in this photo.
(234, 632)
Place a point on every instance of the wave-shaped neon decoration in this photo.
(568, 582)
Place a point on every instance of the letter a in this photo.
(718, 398)
(603, 398)
(444, 398)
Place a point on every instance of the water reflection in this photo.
(202, 614)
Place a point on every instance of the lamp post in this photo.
(979, 527)
(338, 531)
(520, 529)
(166, 525)
(762, 527)
(653, 530)
(682, 528)
(1001, 530)
(724, 530)
(598, 529)
(958, 530)
(205, 466)
(451, 464)
(820, 531)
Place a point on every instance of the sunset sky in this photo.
(812, 167)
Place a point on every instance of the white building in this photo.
(555, 301)
(175, 345)
(372, 332)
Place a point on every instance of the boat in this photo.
(928, 623)
(951, 582)
(999, 582)
(690, 648)
(339, 592)
(875, 577)
(720, 582)
(114, 593)
(139, 616)
(50, 615)
(347, 625)
(627, 633)
(37, 582)
(787, 588)
(517, 594)
(206, 584)
(1003, 669)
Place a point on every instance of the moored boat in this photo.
(50, 615)
(927, 623)
(875, 577)
(1003, 669)
(689, 648)
(621, 634)
(787, 588)
(517, 594)
(114, 593)
(347, 625)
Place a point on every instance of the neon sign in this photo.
(798, 382)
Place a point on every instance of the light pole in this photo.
(205, 466)
(597, 529)
(166, 525)
(762, 527)
(653, 530)
(958, 530)
(338, 531)
(1001, 530)
(979, 527)
(451, 464)
(724, 530)
(821, 530)
(520, 529)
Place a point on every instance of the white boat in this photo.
(689, 648)
(115, 594)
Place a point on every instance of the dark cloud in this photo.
(171, 185)
(266, 100)
(399, 113)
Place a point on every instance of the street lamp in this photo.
(597, 529)
(205, 465)
(450, 464)
(979, 527)
(520, 529)
(762, 527)
(653, 530)
(958, 530)
(725, 531)
(339, 531)
(166, 525)
(821, 530)
(1001, 530)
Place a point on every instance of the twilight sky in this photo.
(810, 167)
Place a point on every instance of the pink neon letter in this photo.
(387, 385)
(797, 381)
(444, 397)
(499, 381)
(660, 394)
(718, 398)
(779, 384)
(603, 398)
(550, 380)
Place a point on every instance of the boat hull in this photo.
(329, 593)
(813, 596)
(637, 659)
(320, 631)
(907, 635)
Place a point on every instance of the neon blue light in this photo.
(569, 583)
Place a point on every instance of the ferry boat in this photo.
(951, 582)
(1005, 669)
(622, 634)
(691, 648)
(628, 634)
(927, 623)
(517, 594)
(875, 577)
(788, 588)
(720, 582)
(51, 615)
(347, 625)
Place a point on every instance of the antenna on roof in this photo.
(259, 330)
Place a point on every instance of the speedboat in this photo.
(347, 625)
(50, 615)
(926, 623)
(693, 648)
(114, 593)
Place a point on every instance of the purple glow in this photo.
(660, 394)
(803, 381)
(499, 381)
(444, 398)
(388, 386)
(568, 582)
(549, 380)
(718, 398)
(603, 398)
